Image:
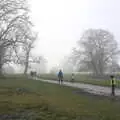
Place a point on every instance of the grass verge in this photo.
(44, 101)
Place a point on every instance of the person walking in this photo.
(73, 78)
(113, 85)
(60, 76)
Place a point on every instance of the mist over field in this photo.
(59, 60)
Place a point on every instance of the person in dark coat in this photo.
(60, 77)
(113, 85)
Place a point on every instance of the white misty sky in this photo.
(60, 24)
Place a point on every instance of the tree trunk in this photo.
(1, 65)
(26, 68)
(26, 63)
(0, 69)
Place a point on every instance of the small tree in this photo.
(27, 47)
(24, 55)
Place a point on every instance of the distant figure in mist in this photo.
(113, 85)
(33, 74)
(73, 77)
(60, 77)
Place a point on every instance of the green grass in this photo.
(82, 79)
(55, 102)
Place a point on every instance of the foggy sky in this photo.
(60, 24)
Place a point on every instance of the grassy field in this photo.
(44, 101)
(103, 81)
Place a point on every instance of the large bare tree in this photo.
(96, 50)
(14, 24)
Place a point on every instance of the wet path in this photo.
(94, 89)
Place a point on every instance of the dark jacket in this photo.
(60, 74)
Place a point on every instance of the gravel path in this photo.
(94, 89)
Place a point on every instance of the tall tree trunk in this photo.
(1, 57)
(1, 64)
(26, 68)
(95, 70)
(26, 63)
(0, 69)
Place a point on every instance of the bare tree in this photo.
(14, 23)
(96, 50)
(23, 52)
(27, 47)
